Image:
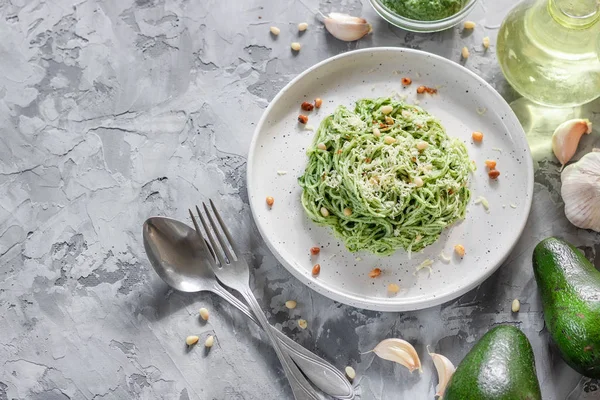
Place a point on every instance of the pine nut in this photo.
(324, 212)
(422, 145)
(191, 340)
(389, 140)
(295, 46)
(469, 25)
(376, 131)
(393, 288)
(516, 305)
(302, 26)
(316, 269)
(347, 212)
(291, 304)
(465, 53)
(375, 272)
(486, 42)
(302, 323)
(318, 102)
(275, 30)
(204, 313)
(322, 146)
(350, 373)
(491, 164)
(418, 182)
(460, 250)
(387, 109)
(210, 340)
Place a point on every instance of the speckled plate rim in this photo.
(368, 303)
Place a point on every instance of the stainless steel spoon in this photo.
(178, 258)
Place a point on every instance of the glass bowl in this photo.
(421, 26)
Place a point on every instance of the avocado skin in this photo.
(570, 290)
(500, 366)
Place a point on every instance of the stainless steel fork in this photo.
(233, 271)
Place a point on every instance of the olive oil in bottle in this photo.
(549, 51)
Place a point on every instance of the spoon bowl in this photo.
(177, 255)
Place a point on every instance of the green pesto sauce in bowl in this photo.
(425, 10)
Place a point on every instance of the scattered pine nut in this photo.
(295, 46)
(324, 212)
(516, 305)
(291, 304)
(210, 340)
(316, 269)
(322, 146)
(469, 25)
(275, 30)
(347, 212)
(406, 81)
(386, 109)
(191, 340)
(389, 120)
(422, 145)
(464, 53)
(315, 250)
(303, 119)
(302, 26)
(426, 89)
(418, 181)
(491, 164)
(302, 323)
(393, 288)
(389, 140)
(376, 131)
(477, 136)
(375, 272)
(494, 174)
(460, 250)
(318, 102)
(350, 373)
(270, 201)
(486, 42)
(204, 313)
(306, 106)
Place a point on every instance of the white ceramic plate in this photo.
(280, 144)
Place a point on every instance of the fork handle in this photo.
(300, 386)
(320, 372)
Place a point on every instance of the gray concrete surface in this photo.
(112, 111)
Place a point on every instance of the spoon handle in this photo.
(320, 372)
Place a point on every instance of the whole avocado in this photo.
(500, 366)
(570, 290)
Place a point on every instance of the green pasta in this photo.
(383, 185)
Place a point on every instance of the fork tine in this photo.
(224, 228)
(199, 232)
(217, 234)
(210, 238)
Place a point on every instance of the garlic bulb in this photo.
(346, 27)
(566, 138)
(445, 370)
(399, 351)
(580, 191)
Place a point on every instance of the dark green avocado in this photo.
(570, 290)
(500, 366)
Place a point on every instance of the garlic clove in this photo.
(580, 190)
(566, 138)
(399, 351)
(346, 27)
(445, 370)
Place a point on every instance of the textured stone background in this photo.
(112, 111)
